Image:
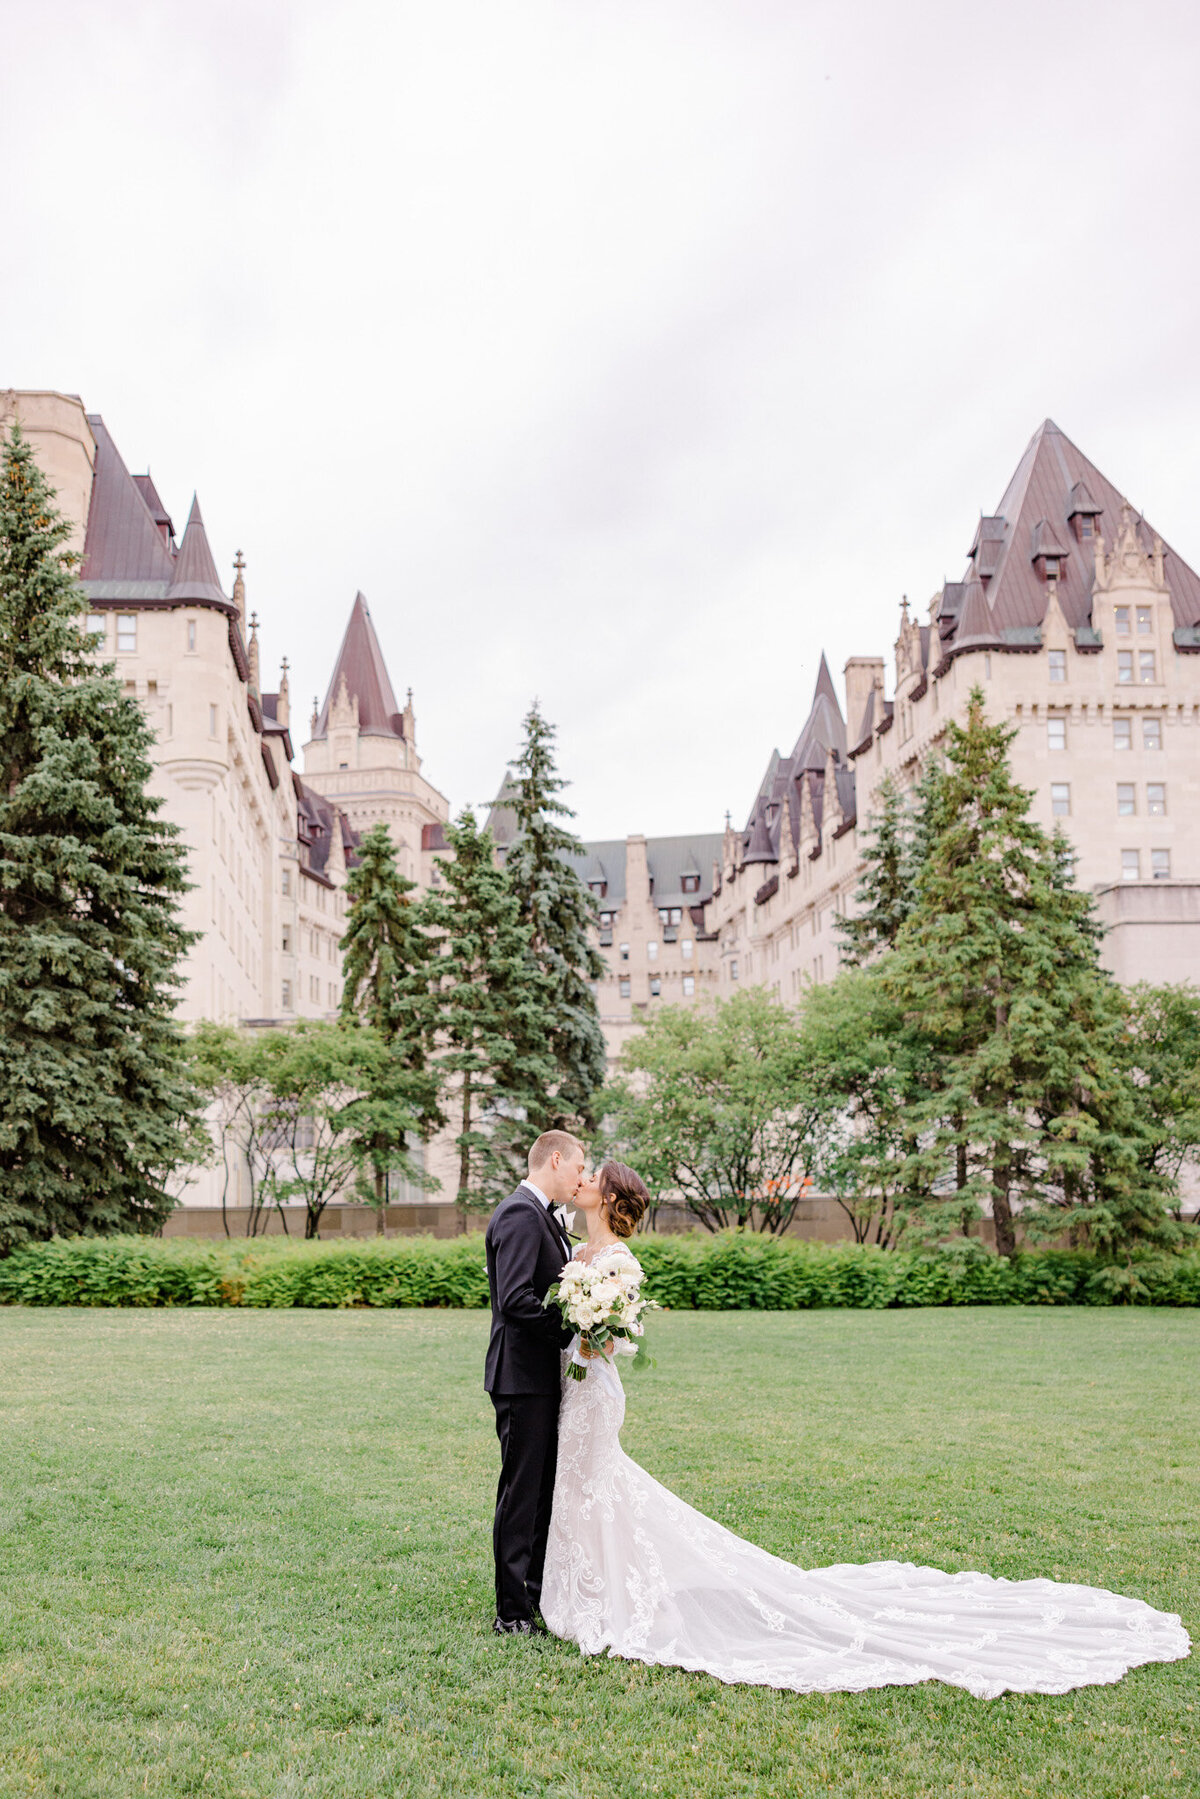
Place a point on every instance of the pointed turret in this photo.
(239, 586)
(252, 652)
(361, 668)
(195, 577)
(123, 541)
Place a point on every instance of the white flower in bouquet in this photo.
(602, 1301)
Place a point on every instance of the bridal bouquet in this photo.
(602, 1300)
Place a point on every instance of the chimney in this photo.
(862, 673)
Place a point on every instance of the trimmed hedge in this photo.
(728, 1272)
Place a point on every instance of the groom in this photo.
(527, 1245)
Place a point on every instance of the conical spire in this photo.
(239, 586)
(361, 666)
(283, 698)
(195, 576)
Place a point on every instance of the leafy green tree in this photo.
(560, 912)
(867, 1068)
(1162, 1051)
(715, 1104)
(494, 1016)
(228, 1068)
(1030, 1108)
(96, 1110)
(336, 1106)
(389, 979)
(897, 848)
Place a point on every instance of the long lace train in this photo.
(633, 1570)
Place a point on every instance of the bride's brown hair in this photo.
(625, 1197)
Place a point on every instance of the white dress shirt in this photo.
(537, 1193)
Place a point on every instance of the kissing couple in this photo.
(590, 1548)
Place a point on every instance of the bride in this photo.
(633, 1570)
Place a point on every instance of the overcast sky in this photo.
(625, 353)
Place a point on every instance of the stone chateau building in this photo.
(1083, 629)
(267, 848)
(1081, 626)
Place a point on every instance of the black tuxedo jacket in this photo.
(526, 1250)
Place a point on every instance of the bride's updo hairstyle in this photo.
(625, 1197)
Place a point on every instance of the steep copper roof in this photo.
(360, 662)
(158, 511)
(196, 578)
(123, 544)
(1004, 590)
(822, 734)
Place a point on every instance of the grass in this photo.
(248, 1554)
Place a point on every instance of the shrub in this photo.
(728, 1271)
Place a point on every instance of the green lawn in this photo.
(249, 1553)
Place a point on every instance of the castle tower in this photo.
(362, 755)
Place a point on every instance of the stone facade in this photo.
(1083, 630)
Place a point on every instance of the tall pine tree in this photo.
(1029, 1107)
(560, 913)
(896, 851)
(95, 1107)
(494, 1016)
(388, 970)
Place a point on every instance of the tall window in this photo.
(624, 952)
(1152, 733)
(1058, 666)
(652, 951)
(1126, 799)
(689, 986)
(286, 996)
(1056, 733)
(733, 969)
(1145, 621)
(1160, 864)
(1131, 865)
(1122, 616)
(212, 721)
(96, 623)
(1122, 734)
(623, 987)
(1060, 799)
(1146, 663)
(285, 881)
(1124, 668)
(191, 634)
(127, 631)
(286, 944)
(685, 949)
(655, 987)
(1156, 799)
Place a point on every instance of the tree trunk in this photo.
(464, 1159)
(1002, 1214)
(380, 1203)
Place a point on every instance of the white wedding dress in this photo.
(633, 1570)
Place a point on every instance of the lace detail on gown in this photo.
(633, 1570)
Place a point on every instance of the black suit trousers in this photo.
(527, 1426)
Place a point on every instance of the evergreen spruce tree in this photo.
(559, 912)
(95, 1107)
(494, 1016)
(997, 967)
(897, 849)
(388, 968)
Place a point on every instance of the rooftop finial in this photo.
(315, 713)
(252, 653)
(239, 585)
(410, 696)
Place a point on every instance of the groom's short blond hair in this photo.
(544, 1147)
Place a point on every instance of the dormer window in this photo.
(690, 883)
(1085, 526)
(599, 888)
(1052, 566)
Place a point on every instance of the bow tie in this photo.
(566, 1219)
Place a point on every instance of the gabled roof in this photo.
(196, 578)
(668, 859)
(360, 662)
(1053, 483)
(122, 544)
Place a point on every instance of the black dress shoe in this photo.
(519, 1627)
